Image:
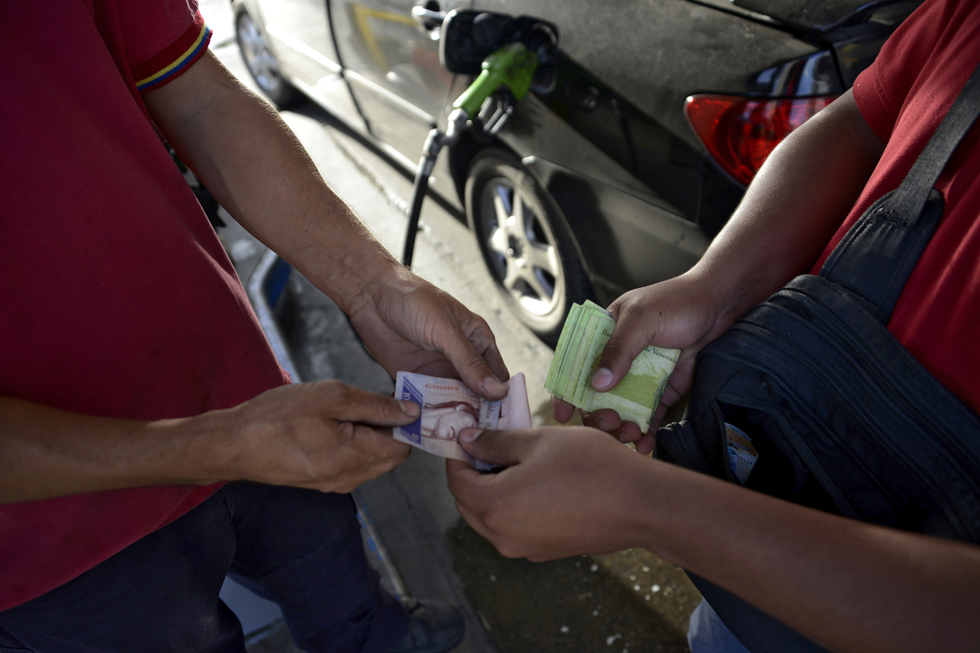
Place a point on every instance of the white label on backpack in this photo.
(741, 454)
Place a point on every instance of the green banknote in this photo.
(553, 371)
(589, 324)
(580, 345)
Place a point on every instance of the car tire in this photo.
(524, 242)
(261, 63)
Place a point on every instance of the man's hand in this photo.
(797, 201)
(325, 435)
(680, 313)
(410, 325)
(563, 491)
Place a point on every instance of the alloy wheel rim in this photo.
(522, 248)
(258, 58)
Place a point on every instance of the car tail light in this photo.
(740, 133)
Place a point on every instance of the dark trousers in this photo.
(300, 548)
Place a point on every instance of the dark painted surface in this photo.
(656, 53)
(817, 14)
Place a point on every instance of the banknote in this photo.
(742, 456)
(586, 332)
(448, 407)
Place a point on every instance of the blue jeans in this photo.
(300, 548)
(707, 634)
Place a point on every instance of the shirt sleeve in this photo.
(882, 89)
(163, 39)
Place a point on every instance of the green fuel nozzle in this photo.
(512, 66)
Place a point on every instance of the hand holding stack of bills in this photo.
(585, 334)
(448, 407)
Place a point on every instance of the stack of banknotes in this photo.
(448, 407)
(585, 334)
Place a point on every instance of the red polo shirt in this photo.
(904, 96)
(116, 298)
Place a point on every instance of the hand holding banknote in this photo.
(409, 324)
(679, 313)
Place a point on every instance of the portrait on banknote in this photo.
(445, 420)
(448, 407)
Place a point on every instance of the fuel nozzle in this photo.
(468, 38)
(509, 55)
(511, 67)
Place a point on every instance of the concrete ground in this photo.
(629, 601)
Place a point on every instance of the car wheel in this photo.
(261, 63)
(524, 243)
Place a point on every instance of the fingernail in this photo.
(410, 408)
(493, 386)
(604, 425)
(602, 378)
(469, 435)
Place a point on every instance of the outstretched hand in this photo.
(410, 325)
(678, 314)
(324, 435)
(563, 492)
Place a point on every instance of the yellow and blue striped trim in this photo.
(199, 34)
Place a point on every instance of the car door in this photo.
(301, 37)
(391, 62)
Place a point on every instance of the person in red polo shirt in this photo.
(134, 377)
(846, 585)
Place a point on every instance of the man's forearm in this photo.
(795, 204)
(256, 168)
(845, 584)
(45, 452)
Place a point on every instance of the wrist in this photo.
(730, 291)
(194, 450)
(363, 276)
(366, 289)
(641, 525)
(723, 302)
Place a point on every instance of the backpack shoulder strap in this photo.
(877, 255)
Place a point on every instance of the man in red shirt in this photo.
(845, 585)
(134, 377)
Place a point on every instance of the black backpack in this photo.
(843, 417)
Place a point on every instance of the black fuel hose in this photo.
(418, 195)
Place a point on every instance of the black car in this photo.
(620, 172)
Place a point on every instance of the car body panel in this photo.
(646, 51)
(300, 35)
(642, 180)
(642, 242)
(392, 64)
(600, 201)
(819, 15)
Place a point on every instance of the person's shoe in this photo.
(433, 627)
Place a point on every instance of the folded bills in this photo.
(448, 407)
(586, 332)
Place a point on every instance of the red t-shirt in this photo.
(117, 298)
(904, 96)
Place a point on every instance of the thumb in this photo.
(504, 448)
(626, 342)
(351, 404)
(477, 361)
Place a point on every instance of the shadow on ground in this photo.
(629, 601)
